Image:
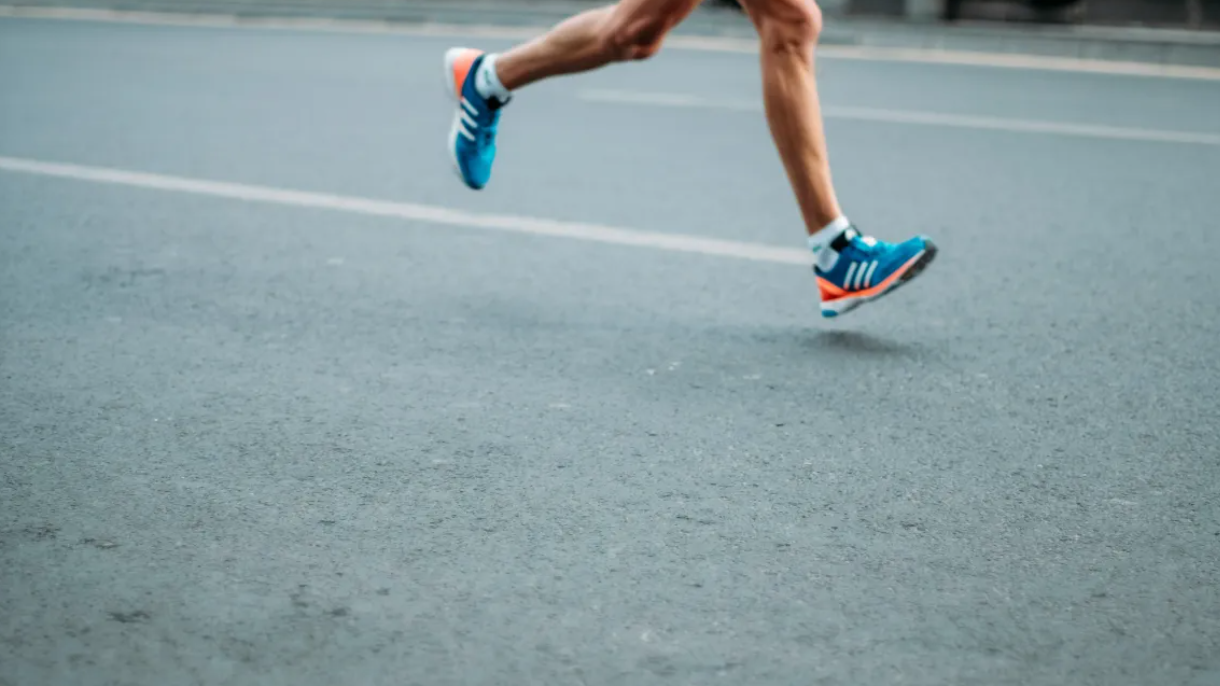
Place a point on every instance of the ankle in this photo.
(824, 236)
(487, 80)
(822, 242)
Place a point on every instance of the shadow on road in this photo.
(857, 343)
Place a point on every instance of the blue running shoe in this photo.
(867, 269)
(472, 140)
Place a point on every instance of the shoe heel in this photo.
(451, 58)
(454, 59)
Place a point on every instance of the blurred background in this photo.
(1186, 14)
(1182, 32)
(1195, 14)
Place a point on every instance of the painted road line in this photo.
(680, 42)
(1000, 60)
(914, 117)
(426, 214)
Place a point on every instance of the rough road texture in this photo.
(243, 444)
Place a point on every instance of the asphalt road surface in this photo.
(255, 437)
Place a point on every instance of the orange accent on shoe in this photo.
(829, 290)
(461, 69)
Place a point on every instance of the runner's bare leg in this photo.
(788, 31)
(628, 30)
(851, 268)
(634, 29)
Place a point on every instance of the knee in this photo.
(634, 38)
(790, 25)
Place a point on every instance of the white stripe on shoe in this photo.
(868, 277)
(469, 108)
(850, 270)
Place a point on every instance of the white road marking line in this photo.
(1018, 61)
(680, 42)
(912, 117)
(413, 212)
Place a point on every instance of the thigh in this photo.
(660, 13)
(782, 10)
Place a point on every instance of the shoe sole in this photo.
(451, 58)
(919, 263)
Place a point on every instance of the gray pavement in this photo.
(249, 444)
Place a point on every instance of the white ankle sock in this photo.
(487, 83)
(819, 242)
